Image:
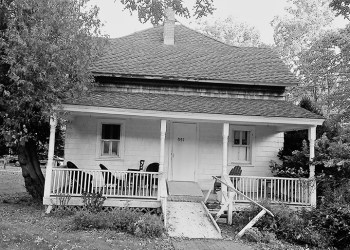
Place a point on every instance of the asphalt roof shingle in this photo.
(194, 104)
(194, 57)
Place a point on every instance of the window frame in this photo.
(99, 146)
(231, 145)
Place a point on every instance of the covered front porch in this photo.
(206, 154)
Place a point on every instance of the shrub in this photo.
(253, 235)
(149, 225)
(287, 224)
(332, 217)
(60, 208)
(87, 219)
(93, 202)
(125, 219)
(292, 166)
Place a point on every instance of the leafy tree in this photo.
(341, 7)
(324, 73)
(304, 21)
(231, 32)
(153, 10)
(46, 47)
(319, 57)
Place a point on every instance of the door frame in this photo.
(196, 144)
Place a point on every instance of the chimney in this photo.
(169, 26)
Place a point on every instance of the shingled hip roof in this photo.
(194, 57)
(194, 104)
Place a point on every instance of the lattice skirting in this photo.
(72, 208)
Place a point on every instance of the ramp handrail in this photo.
(230, 185)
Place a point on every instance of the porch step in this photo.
(184, 191)
(191, 220)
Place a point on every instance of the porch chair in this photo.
(236, 171)
(80, 178)
(153, 167)
(108, 177)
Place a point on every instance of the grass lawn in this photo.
(24, 225)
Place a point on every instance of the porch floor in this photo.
(184, 191)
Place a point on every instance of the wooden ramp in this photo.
(184, 191)
(191, 220)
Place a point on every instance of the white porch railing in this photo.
(290, 191)
(113, 184)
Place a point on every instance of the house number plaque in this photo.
(180, 139)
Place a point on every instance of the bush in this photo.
(87, 219)
(125, 220)
(293, 166)
(292, 226)
(149, 225)
(332, 217)
(93, 202)
(333, 221)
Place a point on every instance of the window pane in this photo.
(105, 147)
(247, 154)
(245, 137)
(242, 154)
(236, 137)
(115, 147)
(111, 131)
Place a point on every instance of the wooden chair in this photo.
(82, 181)
(236, 171)
(153, 167)
(108, 177)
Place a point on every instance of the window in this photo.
(241, 145)
(110, 139)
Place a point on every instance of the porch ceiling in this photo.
(245, 111)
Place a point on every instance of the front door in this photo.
(184, 151)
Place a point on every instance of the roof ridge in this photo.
(207, 36)
(217, 40)
(133, 33)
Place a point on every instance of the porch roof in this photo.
(194, 104)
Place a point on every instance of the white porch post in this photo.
(53, 124)
(162, 188)
(225, 133)
(162, 144)
(312, 138)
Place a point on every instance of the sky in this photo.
(257, 13)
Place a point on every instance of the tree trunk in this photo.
(33, 177)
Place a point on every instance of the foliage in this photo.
(341, 7)
(324, 70)
(93, 202)
(303, 22)
(231, 31)
(332, 217)
(333, 157)
(153, 11)
(294, 166)
(149, 225)
(61, 207)
(317, 55)
(293, 140)
(46, 48)
(125, 219)
(86, 219)
(287, 224)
